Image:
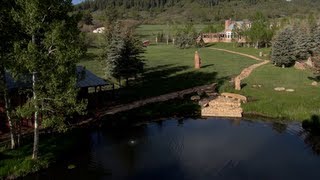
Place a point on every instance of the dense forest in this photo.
(161, 11)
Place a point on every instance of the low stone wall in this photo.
(162, 98)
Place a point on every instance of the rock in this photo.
(199, 93)
(259, 85)
(254, 86)
(314, 83)
(279, 89)
(299, 66)
(71, 166)
(235, 96)
(195, 98)
(290, 90)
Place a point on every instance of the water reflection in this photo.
(196, 149)
(312, 133)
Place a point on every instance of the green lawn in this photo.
(298, 105)
(171, 69)
(18, 162)
(246, 50)
(148, 32)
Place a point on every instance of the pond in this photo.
(192, 149)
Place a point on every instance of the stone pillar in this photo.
(237, 83)
(260, 54)
(156, 40)
(173, 41)
(197, 60)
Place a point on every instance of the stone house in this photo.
(229, 33)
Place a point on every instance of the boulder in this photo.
(279, 89)
(290, 90)
(235, 96)
(314, 83)
(195, 98)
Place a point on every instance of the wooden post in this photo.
(197, 60)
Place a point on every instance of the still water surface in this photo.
(192, 149)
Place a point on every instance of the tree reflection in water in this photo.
(312, 133)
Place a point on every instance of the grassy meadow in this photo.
(297, 105)
(171, 69)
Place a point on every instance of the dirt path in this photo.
(247, 71)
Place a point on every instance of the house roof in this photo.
(89, 79)
(85, 79)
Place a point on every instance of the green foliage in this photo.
(182, 11)
(211, 28)
(50, 48)
(304, 43)
(185, 36)
(123, 55)
(283, 48)
(86, 18)
(260, 31)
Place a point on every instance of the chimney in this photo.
(227, 23)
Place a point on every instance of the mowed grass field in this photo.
(298, 105)
(171, 69)
(149, 32)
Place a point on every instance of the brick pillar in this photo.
(197, 60)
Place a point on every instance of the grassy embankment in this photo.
(18, 162)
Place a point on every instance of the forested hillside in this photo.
(161, 11)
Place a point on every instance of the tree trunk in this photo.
(7, 107)
(11, 126)
(36, 126)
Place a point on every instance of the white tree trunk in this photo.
(36, 126)
(7, 107)
(11, 127)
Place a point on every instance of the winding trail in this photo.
(246, 71)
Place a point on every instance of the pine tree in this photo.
(49, 52)
(316, 40)
(283, 48)
(304, 43)
(123, 55)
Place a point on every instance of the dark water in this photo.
(193, 149)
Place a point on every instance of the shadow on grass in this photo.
(208, 65)
(316, 78)
(166, 79)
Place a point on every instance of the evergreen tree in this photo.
(49, 52)
(316, 40)
(123, 55)
(304, 43)
(283, 48)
